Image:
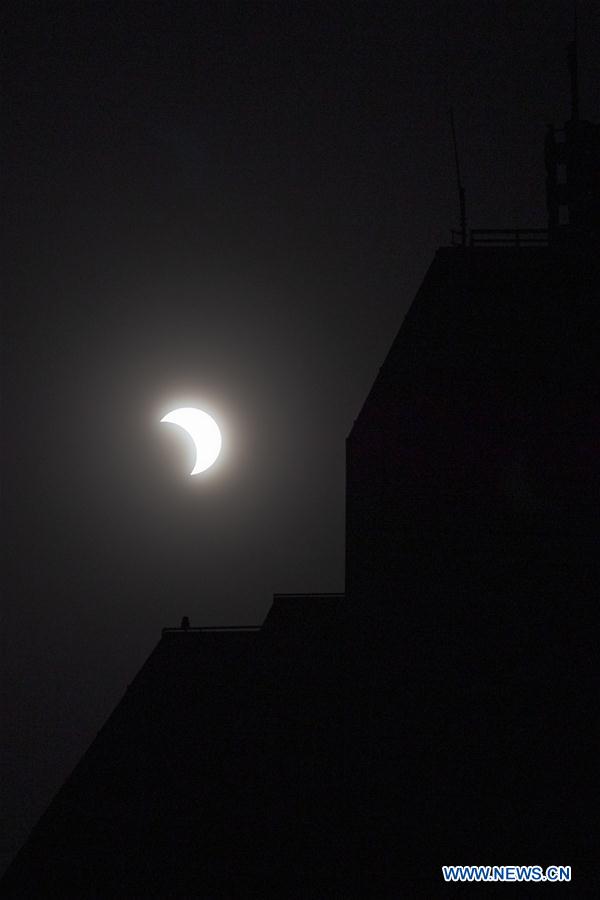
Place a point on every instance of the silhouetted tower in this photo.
(573, 171)
(471, 546)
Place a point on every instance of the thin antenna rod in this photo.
(573, 68)
(461, 189)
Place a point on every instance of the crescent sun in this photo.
(204, 432)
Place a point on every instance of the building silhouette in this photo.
(442, 710)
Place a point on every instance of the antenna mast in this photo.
(461, 189)
(573, 69)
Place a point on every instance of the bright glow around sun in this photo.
(204, 432)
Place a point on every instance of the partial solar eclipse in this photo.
(204, 432)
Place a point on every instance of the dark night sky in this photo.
(227, 205)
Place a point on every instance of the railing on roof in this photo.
(312, 596)
(502, 237)
(212, 628)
